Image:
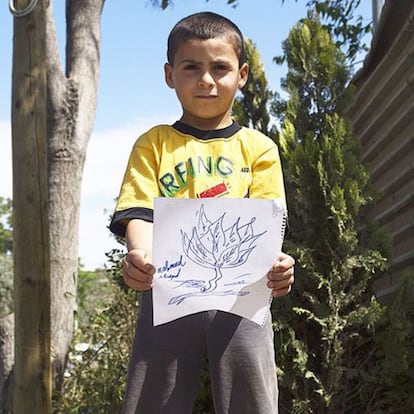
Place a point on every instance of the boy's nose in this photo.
(206, 80)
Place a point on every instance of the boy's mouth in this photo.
(206, 96)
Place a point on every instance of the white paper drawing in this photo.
(214, 254)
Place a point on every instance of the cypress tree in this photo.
(323, 326)
(252, 107)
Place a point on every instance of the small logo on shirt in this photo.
(245, 170)
(216, 191)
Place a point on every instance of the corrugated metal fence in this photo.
(383, 119)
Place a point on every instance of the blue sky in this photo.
(132, 93)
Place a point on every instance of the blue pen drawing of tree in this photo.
(212, 246)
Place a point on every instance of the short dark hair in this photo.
(203, 26)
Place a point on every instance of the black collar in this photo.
(207, 134)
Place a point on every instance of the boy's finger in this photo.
(136, 284)
(139, 263)
(280, 274)
(281, 292)
(283, 262)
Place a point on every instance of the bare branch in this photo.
(55, 77)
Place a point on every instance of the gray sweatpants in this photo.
(165, 364)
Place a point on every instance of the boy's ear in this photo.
(244, 74)
(168, 75)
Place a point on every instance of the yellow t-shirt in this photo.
(182, 161)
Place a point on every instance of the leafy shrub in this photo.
(6, 284)
(97, 366)
(389, 386)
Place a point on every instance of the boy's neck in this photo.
(207, 124)
(206, 134)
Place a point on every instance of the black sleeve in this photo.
(121, 218)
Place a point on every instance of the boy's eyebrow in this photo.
(189, 60)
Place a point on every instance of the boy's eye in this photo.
(221, 67)
(190, 67)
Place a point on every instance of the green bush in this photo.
(6, 258)
(389, 386)
(6, 284)
(97, 366)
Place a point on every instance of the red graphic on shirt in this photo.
(216, 191)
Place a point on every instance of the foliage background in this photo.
(6, 259)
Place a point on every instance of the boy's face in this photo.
(206, 76)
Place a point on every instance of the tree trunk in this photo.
(32, 368)
(71, 113)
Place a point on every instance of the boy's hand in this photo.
(137, 272)
(281, 277)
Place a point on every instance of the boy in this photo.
(204, 154)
